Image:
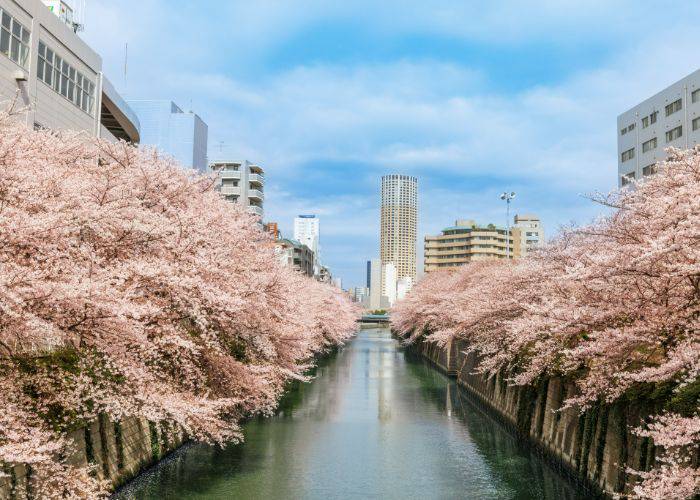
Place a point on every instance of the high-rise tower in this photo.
(399, 214)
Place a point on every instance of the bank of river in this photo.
(376, 422)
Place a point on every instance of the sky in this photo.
(473, 98)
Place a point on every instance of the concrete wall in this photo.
(594, 447)
(118, 451)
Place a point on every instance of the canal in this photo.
(376, 422)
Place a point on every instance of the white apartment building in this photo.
(307, 230)
(55, 76)
(669, 118)
(241, 182)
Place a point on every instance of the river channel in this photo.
(375, 422)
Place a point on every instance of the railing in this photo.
(255, 193)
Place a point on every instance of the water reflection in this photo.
(375, 423)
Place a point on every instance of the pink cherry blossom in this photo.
(128, 287)
(614, 305)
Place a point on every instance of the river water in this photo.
(376, 422)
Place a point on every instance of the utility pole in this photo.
(508, 197)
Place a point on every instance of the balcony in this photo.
(229, 174)
(257, 178)
(231, 190)
(255, 194)
(254, 209)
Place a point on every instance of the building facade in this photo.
(399, 221)
(272, 228)
(389, 281)
(295, 255)
(166, 126)
(241, 182)
(307, 230)
(55, 77)
(375, 290)
(466, 242)
(669, 118)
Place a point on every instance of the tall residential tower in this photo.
(399, 219)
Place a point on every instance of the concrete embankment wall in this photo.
(595, 447)
(118, 451)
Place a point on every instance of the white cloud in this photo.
(428, 116)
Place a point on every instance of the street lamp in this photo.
(507, 197)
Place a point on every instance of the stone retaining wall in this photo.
(595, 447)
(118, 451)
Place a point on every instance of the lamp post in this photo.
(507, 197)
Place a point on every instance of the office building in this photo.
(165, 126)
(307, 231)
(399, 219)
(375, 290)
(359, 293)
(467, 241)
(337, 282)
(669, 118)
(389, 280)
(241, 182)
(55, 76)
(295, 255)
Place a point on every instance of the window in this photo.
(674, 106)
(649, 119)
(630, 127)
(627, 178)
(696, 123)
(674, 134)
(627, 155)
(14, 39)
(65, 79)
(695, 96)
(649, 145)
(623, 131)
(229, 182)
(650, 170)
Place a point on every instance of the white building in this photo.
(389, 279)
(307, 230)
(55, 75)
(375, 289)
(669, 118)
(241, 182)
(403, 286)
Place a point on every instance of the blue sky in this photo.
(472, 97)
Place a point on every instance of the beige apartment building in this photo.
(467, 241)
(55, 76)
(399, 220)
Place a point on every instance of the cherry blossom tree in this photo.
(128, 287)
(613, 305)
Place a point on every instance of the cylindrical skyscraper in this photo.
(398, 231)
